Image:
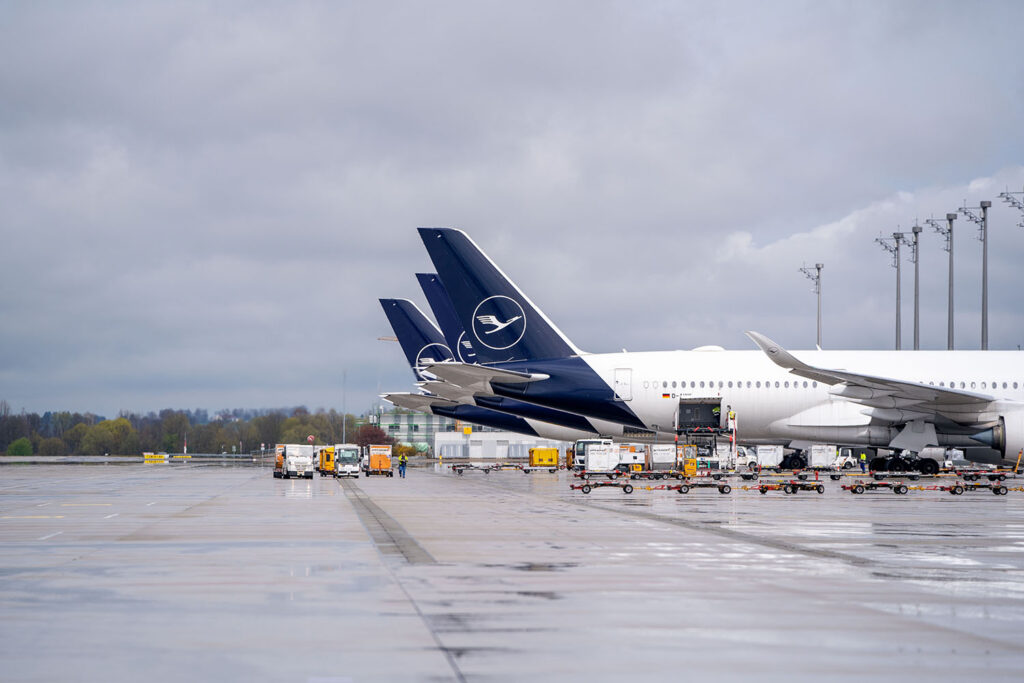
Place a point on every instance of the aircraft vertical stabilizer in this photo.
(500, 321)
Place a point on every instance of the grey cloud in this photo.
(200, 204)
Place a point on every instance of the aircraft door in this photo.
(624, 383)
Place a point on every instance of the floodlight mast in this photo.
(982, 222)
(1011, 199)
(815, 277)
(915, 254)
(892, 245)
(947, 232)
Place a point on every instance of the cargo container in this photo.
(601, 458)
(632, 457)
(822, 455)
(325, 461)
(580, 448)
(346, 460)
(380, 461)
(298, 461)
(543, 457)
(663, 456)
(769, 456)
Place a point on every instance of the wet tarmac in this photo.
(172, 572)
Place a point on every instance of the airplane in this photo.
(423, 345)
(897, 400)
(455, 337)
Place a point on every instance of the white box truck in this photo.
(298, 461)
(346, 460)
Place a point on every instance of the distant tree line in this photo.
(66, 433)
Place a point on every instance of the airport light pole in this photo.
(947, 232)
(1011, 199)
(815, 276)
(892, 245)
(915, 257)
(982, 222)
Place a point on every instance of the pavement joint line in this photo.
(383, 529)
(387, 533)
(716, 529)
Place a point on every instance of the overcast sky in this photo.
(201, 204)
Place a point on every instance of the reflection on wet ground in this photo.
(171, 572)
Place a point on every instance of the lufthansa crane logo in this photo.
(499, 322)
(431, 353)
(465, 349)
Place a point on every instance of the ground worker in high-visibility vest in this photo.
(863, 462)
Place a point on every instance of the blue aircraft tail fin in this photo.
(447, 319)
(420, 340)
(499, 320)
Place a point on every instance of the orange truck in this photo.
(380, 461)
(278, 460)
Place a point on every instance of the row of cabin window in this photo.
(973, 385)
(796, 385)
(739, 385)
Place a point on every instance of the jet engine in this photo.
(1006, 436)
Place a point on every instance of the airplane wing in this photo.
(479, 377)
(891, 400)
(419, 402)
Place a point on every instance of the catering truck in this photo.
(346, 460)
(298, 461)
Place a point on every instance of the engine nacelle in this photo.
(1007, 437)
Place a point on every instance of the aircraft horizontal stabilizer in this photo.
(479, 377)
(448, 391)
(419, 402)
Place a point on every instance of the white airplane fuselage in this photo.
(773, 405)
